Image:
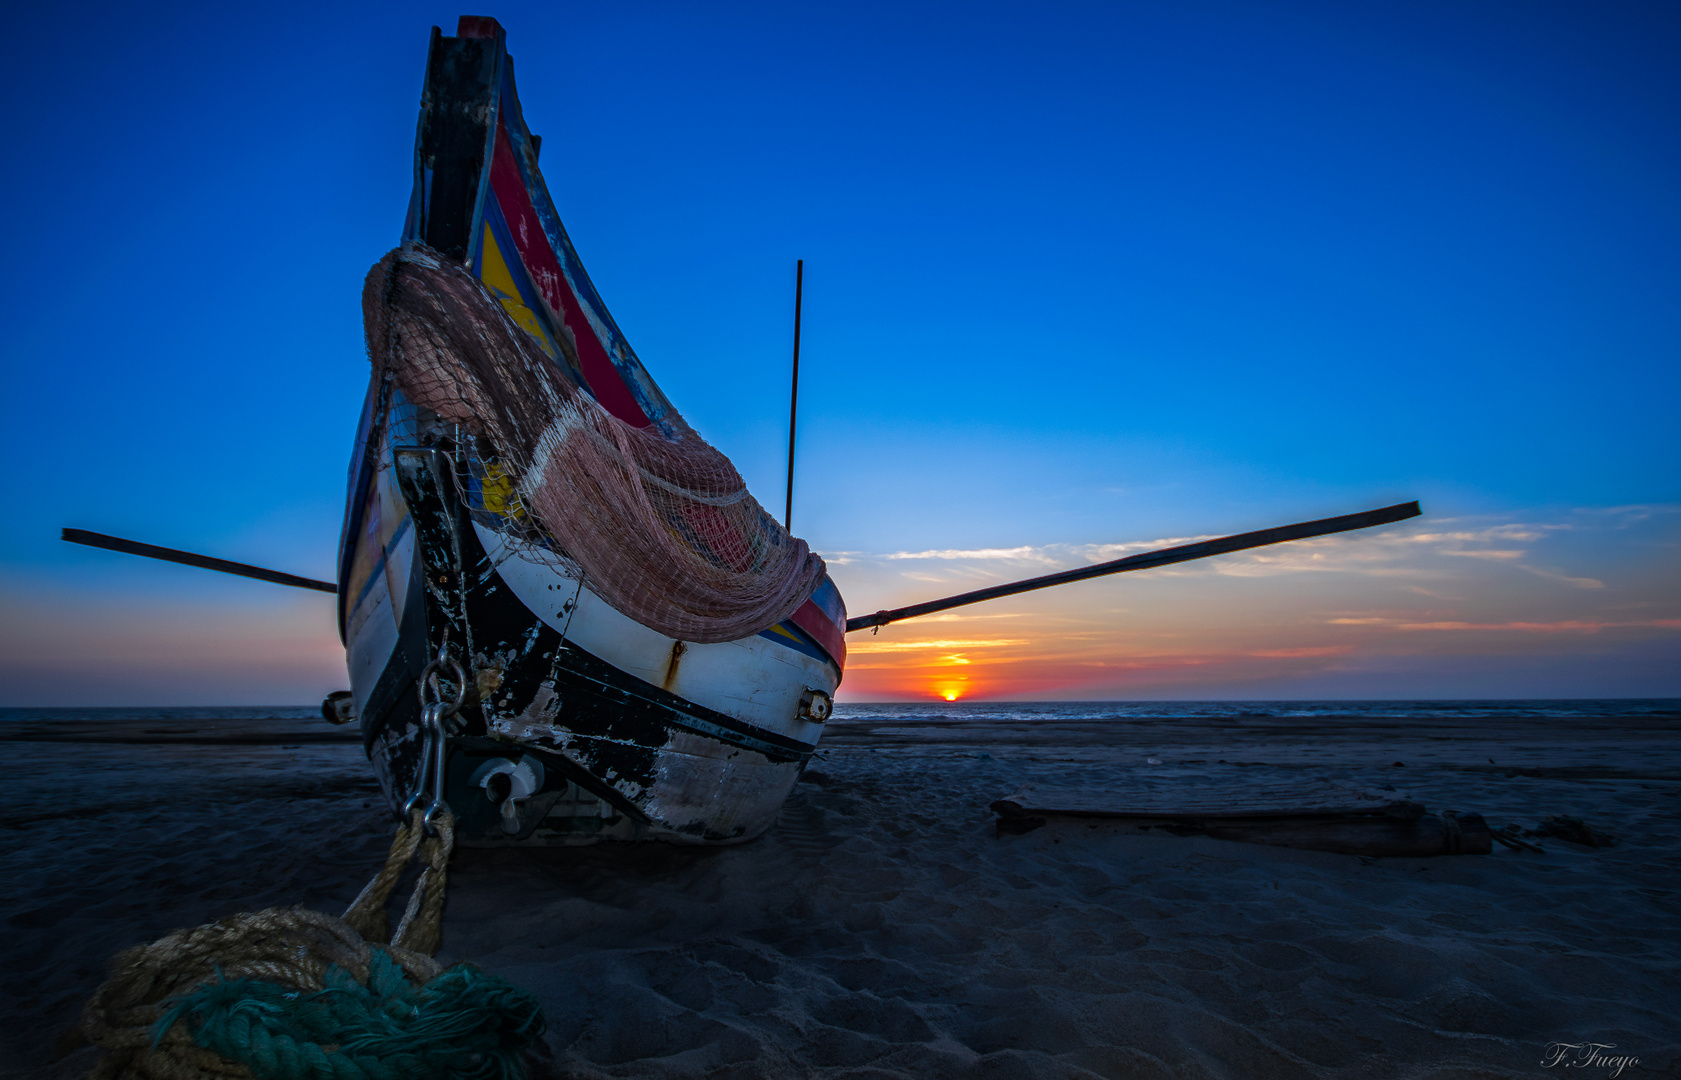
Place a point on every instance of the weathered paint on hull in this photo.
(622, 733)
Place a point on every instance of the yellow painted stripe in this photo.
(496, 275)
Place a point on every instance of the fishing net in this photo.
(295, 994)
(659, 521)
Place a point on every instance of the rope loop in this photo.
(294, 994)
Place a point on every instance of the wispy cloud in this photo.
(1559, 626)
(1521, 532)
(1632, 514)
(1563, 578)
(964, 616)
(1302, 653)
(1422, 591)
(1015, 554)
(1099, 553)
(1563, 626)
(872, 646)
(1388, 553)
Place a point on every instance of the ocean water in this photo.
(1008, 711)
(1027, 711)
(169, 713)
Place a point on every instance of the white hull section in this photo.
(697, 780)
(755, 679)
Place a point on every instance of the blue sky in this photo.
(1077, 275)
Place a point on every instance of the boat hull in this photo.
(601, 727)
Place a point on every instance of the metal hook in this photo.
(439, 749)
(431, 729)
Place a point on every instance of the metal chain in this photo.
(429, 777)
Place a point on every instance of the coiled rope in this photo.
(294, 994)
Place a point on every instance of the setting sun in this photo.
(950, 689)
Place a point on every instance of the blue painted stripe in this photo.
(360, 479)
(828, 598)
(379, 567)
(798, 640)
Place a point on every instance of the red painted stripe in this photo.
(816, 622)
(544, 270)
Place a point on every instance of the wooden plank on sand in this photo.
(1205, 799)
(1316, 815)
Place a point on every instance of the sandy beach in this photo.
(884, 929)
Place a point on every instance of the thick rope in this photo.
(421, 928)
(171, 1010)
(366, 913)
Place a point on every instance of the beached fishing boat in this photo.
(564, 617)
(625, 644)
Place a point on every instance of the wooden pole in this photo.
(188, 558)
(794, 398)
(1183, 553)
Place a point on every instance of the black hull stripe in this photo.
(679, 712)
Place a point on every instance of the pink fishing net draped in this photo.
(659, 522)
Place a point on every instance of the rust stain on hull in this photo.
(677, 651)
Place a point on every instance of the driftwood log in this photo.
(1317, 816)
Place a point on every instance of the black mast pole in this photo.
(794, 399)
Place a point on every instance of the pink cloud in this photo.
(1303, 653)
(1564, 626)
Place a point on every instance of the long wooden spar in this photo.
(1144, 561)
(188, 558)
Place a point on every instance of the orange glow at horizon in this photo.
(950, 689)
(1333, 615)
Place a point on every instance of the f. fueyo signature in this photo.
(1587, 1055)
